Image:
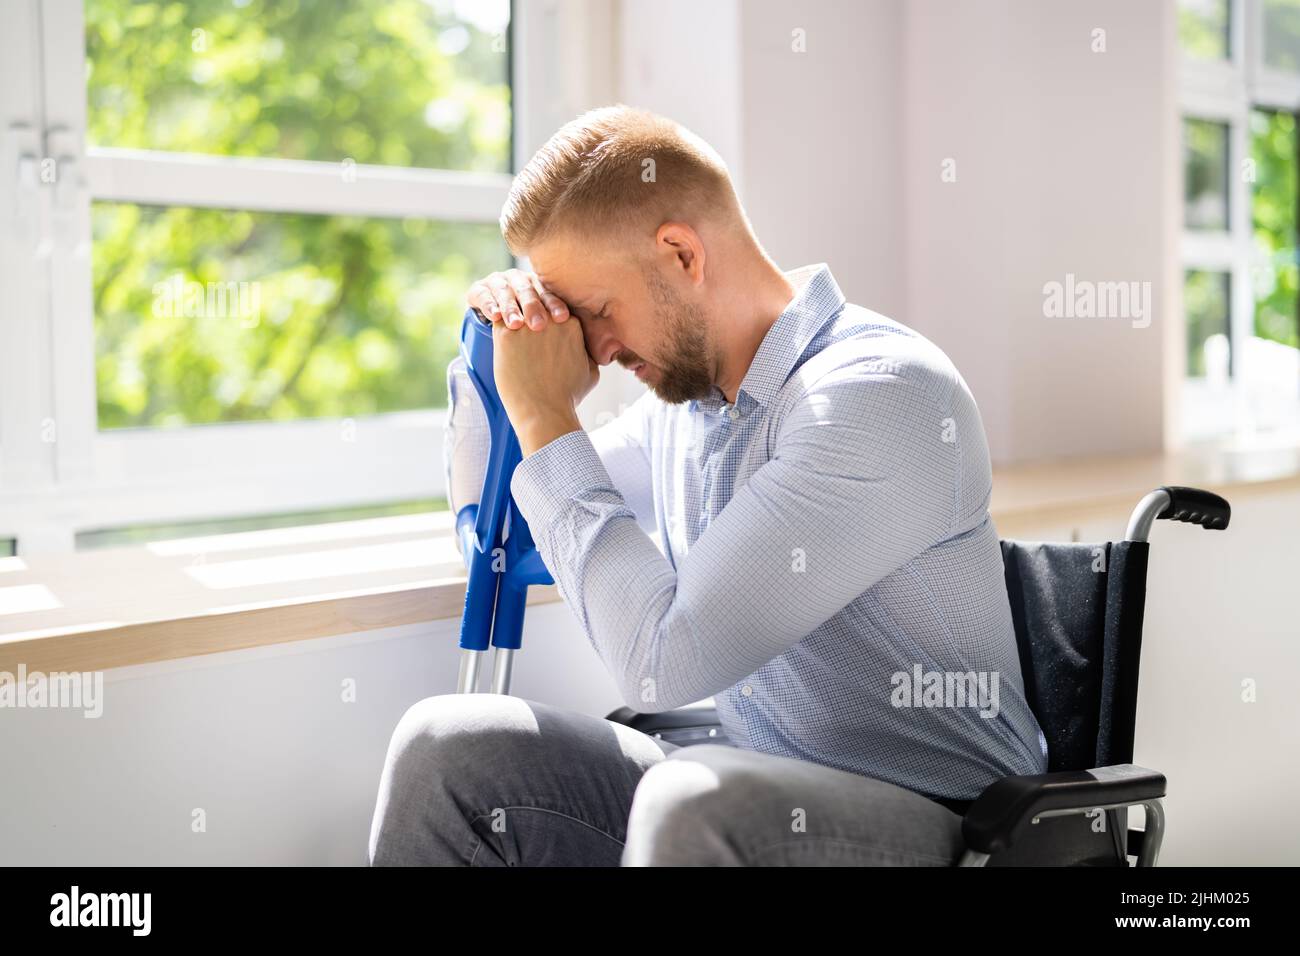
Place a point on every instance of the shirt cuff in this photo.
(561, 471)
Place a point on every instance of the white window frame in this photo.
(58, 473)
(1227, 92)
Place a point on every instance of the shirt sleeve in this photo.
(862, 479)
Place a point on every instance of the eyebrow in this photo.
(592, 305)
(578, 305)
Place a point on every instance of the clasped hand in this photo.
(540, 359)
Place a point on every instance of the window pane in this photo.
(143, 534)
(1205, 157)
(1275, 150)
(1206, 297)
(208, 315)
(393, 82)
(1203, 28)
(1282, 34)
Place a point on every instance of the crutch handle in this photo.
(495, 539)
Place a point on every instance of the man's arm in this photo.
(862, 481)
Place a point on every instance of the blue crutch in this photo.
(494, 537)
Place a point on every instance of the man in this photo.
(824, 566)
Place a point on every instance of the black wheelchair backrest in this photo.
(1077, 610)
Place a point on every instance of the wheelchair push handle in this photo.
(1177, 503)
(1196, 506)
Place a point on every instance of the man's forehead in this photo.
(572, 279)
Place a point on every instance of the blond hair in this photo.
(617, 171)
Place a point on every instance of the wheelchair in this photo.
(1078, 625)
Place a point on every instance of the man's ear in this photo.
(682, 247)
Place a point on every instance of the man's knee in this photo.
(433, 738)
(711, 805)
(449, 729)
(441, 753)
(685, 808)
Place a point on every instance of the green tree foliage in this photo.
(1276, 152)
(1205, 300)
(1203, 28)
(355, 316)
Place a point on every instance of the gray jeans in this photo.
(489, 780)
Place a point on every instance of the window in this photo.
(217, 314)
(1241, 160)
(1204, 29)
(1209, 337)
(1281, 34)
(395, 83)
(1275, 149)
(147, 534)
(1205, 146)
(205, 314)
(235, 237)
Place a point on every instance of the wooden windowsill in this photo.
(1044, 491)
(101, 609)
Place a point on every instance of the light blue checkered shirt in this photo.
(818, 558)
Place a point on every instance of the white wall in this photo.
(1067, 162)
(1064, 159)
(811, 138)
(261, 740)
(822, 140)
(683, 59)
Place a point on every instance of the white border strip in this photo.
(299, 186)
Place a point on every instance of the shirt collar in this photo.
(817, 300)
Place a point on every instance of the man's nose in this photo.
(601, 346)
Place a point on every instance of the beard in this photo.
(685, 369)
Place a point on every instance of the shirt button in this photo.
(733, 413)
(747, 691)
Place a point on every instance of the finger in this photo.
(554, 304)
(480, 297)
(529, 301)
(499, 283)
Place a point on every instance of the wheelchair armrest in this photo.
(692, 715)
(1006, 807)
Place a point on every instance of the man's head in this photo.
(628, 217)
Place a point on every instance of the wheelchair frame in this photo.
(1007, 807)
